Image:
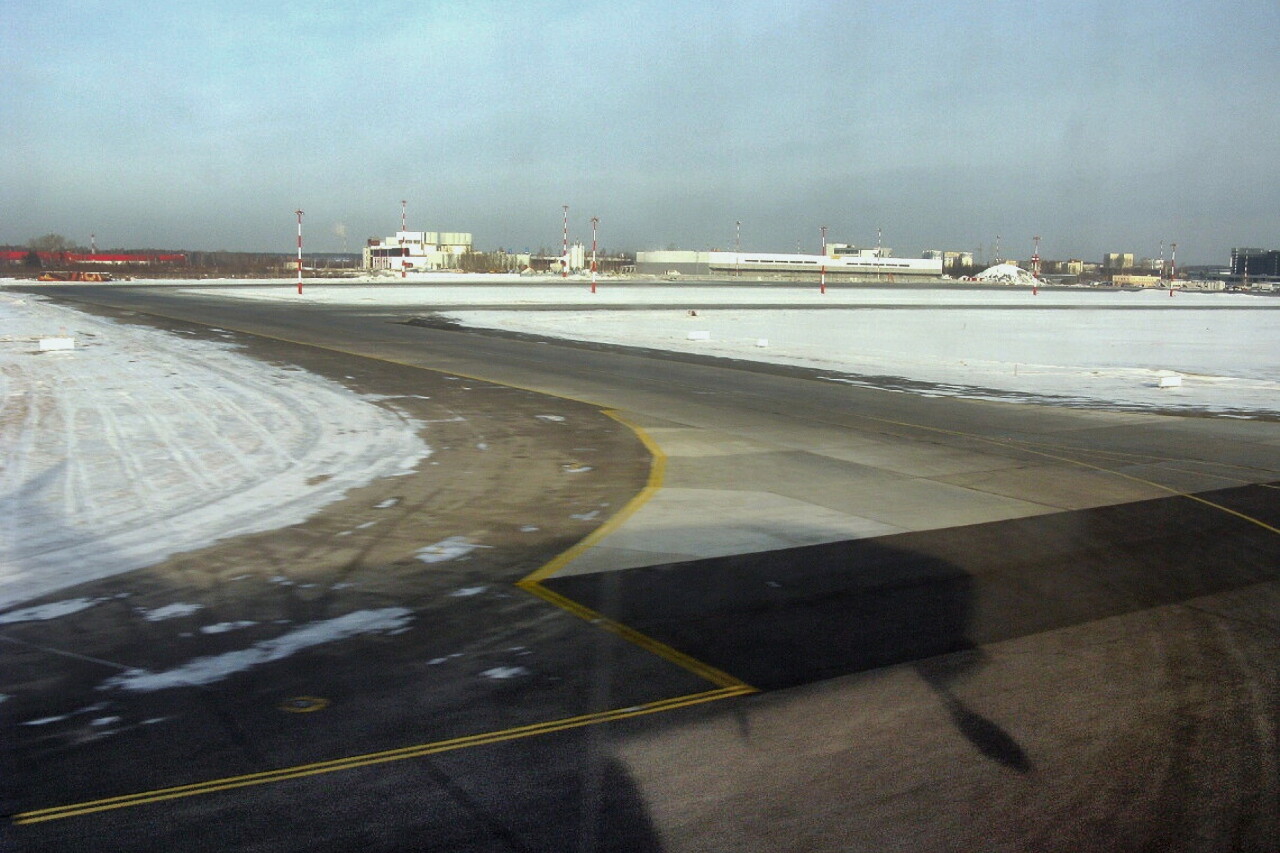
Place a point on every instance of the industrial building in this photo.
(1255, 263)
(951, 260)
(417, 251)
(840, 260)
(24, 256)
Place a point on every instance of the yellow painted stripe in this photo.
(368, 759)
(631, 635)
(657, 470)
(532, 583)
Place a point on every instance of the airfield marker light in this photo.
(299, 214)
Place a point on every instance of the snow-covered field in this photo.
(137, 444)
(1083, 347)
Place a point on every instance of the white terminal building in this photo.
(417, 250)
(841, 260)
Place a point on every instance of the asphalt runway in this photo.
(780, 614)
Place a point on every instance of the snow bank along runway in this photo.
(137, 444)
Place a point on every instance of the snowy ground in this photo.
(138, 444)
(1084, 347)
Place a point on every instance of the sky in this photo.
(1099, 125)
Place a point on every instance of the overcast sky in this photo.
(1101, 125)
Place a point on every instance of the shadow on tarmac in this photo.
(932, 599)
(787, 618)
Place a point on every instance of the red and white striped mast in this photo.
(564, 248)
(299, 215)
(1173, 267)
(737, 248)
(404, 218)
(1035, 267)
(595, 223)
(822, 275)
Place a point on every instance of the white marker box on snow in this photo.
(699, 336)
(50, 344)
(762, 342)
(1170, 381)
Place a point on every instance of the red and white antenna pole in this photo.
(595, 223)
(299, 214)
(404, 218)
(1035, 267)
(564, 248)
(1173, 267)
(93, 244)
(822, 275)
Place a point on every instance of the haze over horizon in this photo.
(1100, 126)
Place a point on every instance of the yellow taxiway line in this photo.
(369, 759)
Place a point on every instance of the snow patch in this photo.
(224, 627)
(448, 549)
(171, 611)
(53, 610)
(206, 670)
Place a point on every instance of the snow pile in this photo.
(1006, 274)
(140, 444)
